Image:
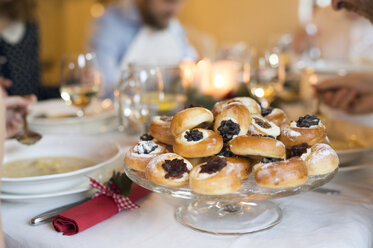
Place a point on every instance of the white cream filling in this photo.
(158, 119)
(205, 134)
(201, 176)
(305, 155)
(138, 150)
(274, 130)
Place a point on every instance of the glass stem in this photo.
(81, 112)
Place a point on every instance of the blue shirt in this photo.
(114, 33)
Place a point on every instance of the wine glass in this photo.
(80, 80)
(163, 90)
(145, 91)
(268, 79)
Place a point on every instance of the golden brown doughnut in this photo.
(275, 115)
(139, 155)
(294, 134)
(259, 125)
(198, 143)
(169, 169)
(197, 161)
(215, 177)
(190, 118)
(249, 103)
(257, 146)
(160, 128)
(321, 160)
(243, 164)
(281, 174)
(233, 121)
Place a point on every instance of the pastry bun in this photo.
(233, 121)
(139, 155)
(215, 177)
(198, 143)
(257, 146)
(281, 174)
(168, 169)
(321, 160)
(275, 115)
(160, 129)
(190, 118)
(307, 129)
(243, 165)
(249, 103)
(259, 125)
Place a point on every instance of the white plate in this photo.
(106, 154)
(349, 134)
(365, 161)
(73, 195)
(101, 117)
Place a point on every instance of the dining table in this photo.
(312, 219)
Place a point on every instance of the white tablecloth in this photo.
(309, 220)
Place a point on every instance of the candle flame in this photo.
(219, 81)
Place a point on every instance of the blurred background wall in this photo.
(65, 24)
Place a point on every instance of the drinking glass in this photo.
(145, 91)
(80, 80)
(268, 78)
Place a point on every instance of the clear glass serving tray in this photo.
(244, 211)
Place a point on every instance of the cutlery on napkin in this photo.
(117, 195)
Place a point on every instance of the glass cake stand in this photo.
(245, 211)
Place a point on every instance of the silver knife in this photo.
(47, 217)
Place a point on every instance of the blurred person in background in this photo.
(2, 138)
(339, 36)
(139, 32)
(15, 107)
(19, 48)
(352, 93)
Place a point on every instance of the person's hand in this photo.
(15, 108)
(352, 93)
(4, 83)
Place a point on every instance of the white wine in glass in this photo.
(80, 80)
(268, 80)
(79, 96)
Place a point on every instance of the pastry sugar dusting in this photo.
(209, 150)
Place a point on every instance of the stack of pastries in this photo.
(215, 151)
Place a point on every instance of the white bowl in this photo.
(107, 157)
(101, 117)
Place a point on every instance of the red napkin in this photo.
(92, 212)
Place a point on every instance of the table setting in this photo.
(172, 157)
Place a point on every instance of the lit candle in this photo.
(224, 78)
(187, 68)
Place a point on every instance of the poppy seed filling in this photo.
(262, 135)
(228, 129)
(175, 168)
(271, 160)
(262, 123)
(226, 152)
(308, 121)
(146, 137)
(297, 151)
(266, 111)
(193, 135)
(165, 118)
(214, 165)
